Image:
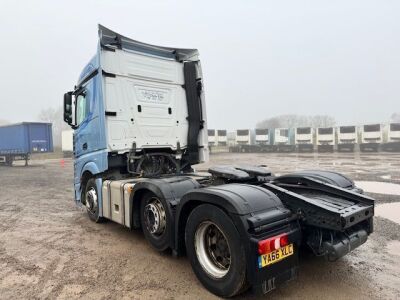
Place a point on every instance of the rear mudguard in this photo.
(257, 214)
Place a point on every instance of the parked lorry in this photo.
(263, 140)
(141, 125)
(325, 139)
(283, 139)
(19, 141)
(371, 137)
(392, 138)
(67, 146)
(304, 139)
(347, 137)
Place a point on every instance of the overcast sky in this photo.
(260, 58)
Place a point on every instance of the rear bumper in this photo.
(268, 278)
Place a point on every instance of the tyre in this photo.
(91, 201)
(155, 221)
(215, 252)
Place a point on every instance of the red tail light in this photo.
(271, 244)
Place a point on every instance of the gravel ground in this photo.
(50, 249)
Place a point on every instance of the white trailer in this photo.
(371, 137)
(325, 139)
(304, 139)
(67, 144)
(347, 138)
(222, 139)
(283, 139)
(212, 137)
(262, 140)
(244, 141)
(392, 138)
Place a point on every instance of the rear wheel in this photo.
(92, 201)
(215, 252)
(155, 221)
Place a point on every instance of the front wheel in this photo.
(92, 201)
(215, 252)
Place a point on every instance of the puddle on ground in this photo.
(389, 211)
(379, 187)
(393, 247)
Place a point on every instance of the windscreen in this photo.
(347, 129)
(395, 127)
(261, 131)
(304, 130)
(325, 130)
(242, 132)
(372, 128)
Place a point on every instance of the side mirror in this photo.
(68, 108)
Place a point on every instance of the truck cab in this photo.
(136, 103)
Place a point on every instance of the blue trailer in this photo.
(19, 141)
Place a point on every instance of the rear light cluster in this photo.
(274, 243)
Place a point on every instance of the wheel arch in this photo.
(194, 199)
(140, 190)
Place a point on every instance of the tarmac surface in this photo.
(50, 249)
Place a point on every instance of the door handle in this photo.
(84, 146)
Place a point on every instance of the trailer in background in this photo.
(212, 137)
(19, 141)
(222, 139)
(244, 141)
(347, 138)
(371, 137)
(304, 139)
(262, 140)
(283, 139)
(67, 137)
(325, 139)
(392, 138)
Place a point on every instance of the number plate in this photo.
(275, 256)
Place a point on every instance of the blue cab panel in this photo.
(26, 137)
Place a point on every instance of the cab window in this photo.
(82, 108)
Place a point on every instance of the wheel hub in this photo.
(155, 218)
(91, 199)
(212, 249)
